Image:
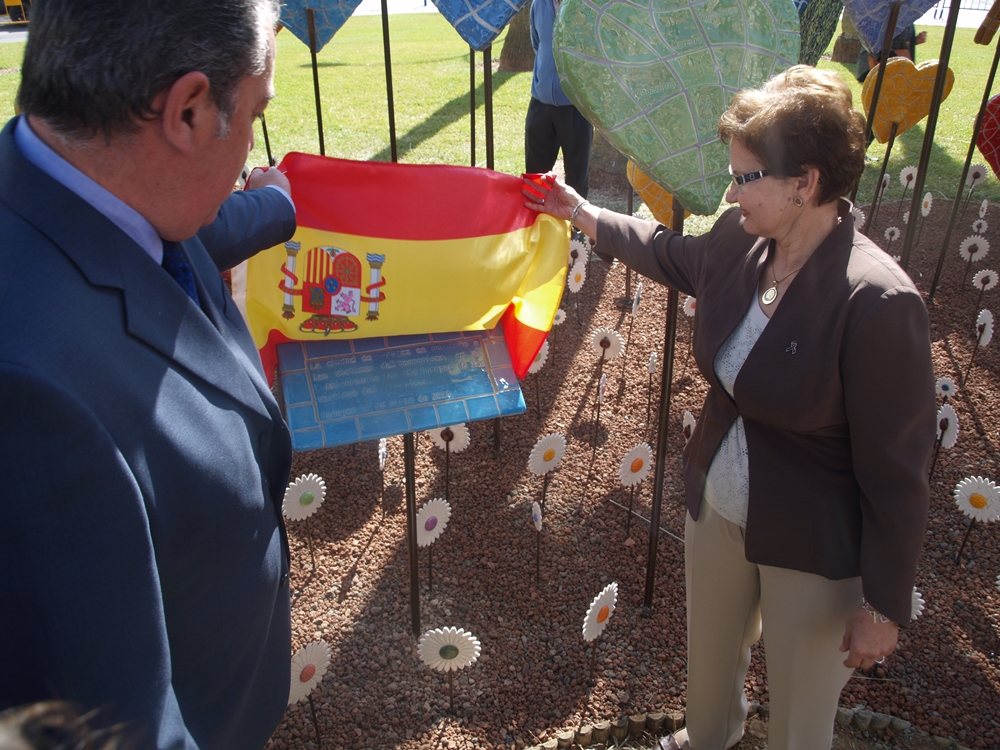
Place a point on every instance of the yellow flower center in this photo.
(637, 465)
(578, 277)
(307, 674)
(549, 455)
(307, 498)
(603, 614)
(977, 501)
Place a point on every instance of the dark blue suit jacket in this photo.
(143, 460)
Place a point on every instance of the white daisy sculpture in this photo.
(606, 343)
(982, 208)
(536, 518)
(452, 439)
(859, 216)
(884, 186)
(637, 299)
(545, 457)
(974, 247)
(979, 499)
(447, 650)
(303, 498)
(632, 470)
(690, 304)
(432, 520)
(916, 605)
(945, 388)
(596, 621)
(977, 173)
(688, 423)
(560, 317)
(927, 204)
(577, 275)
(653, 362)
(891, 234)
(577, 251)
(984, 281)
(979, 226)
(906, 177)
(540, 359)
(984, 334)
(906, 217)
(947, 432)
(309, 665)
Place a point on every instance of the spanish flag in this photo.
(393, 249)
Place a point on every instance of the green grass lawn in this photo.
(430, 69)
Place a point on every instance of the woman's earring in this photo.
(797, 201)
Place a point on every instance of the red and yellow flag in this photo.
(393, 249)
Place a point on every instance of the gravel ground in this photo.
(532, 677)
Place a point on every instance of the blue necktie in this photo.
(177, 266)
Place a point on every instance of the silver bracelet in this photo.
(877, 617)
(581, 204)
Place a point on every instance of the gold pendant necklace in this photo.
(771, 293)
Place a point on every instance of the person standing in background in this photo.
(552, 121)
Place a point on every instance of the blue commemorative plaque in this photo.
(339, 392)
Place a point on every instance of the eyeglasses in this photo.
(742, 179)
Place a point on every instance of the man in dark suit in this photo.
(143, 459)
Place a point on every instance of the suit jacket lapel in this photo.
(157, 311)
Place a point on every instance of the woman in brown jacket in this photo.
(806, 477)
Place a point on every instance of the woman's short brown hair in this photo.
(799, 119)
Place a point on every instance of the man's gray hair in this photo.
(95, 68)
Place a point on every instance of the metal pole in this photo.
(472, 107)
(267, 141)
(677, 224)
(488, 88)
(965, 170)
(312, 51)
(877, 198)
(388, 81)
(410, 475)
(925, 153)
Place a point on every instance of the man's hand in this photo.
(921, 37)
(867, 641)
(262, 176)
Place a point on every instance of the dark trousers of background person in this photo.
(546, 128)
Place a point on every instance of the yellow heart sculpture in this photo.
(658, 200)
(906, 94)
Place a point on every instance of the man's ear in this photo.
(187, 110)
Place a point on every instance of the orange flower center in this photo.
(637, 465)
(977, 501)
(307, 674)
(549, 455)
(603, 614)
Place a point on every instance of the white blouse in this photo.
(727, 487)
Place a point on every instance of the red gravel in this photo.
(531, 679)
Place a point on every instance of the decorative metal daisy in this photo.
(689, 306)
(688, 423)
(447, 650)
(577, 251)
(979, 499)
(906, 177)
(984, 281)
(906, 217)
(884, 186)
(984, 334)
(559, 318)
(636, 300)
(982, 208)
(596, 621)
(432, 520)
(632, 470)
(927, 204)
(309, 664)
(536, 518)
(979, 226)
(916, 605)
(859, 216)
(303, 498)
(947, 432)
(891, 234)
(976, 176)
(974, 247)
(545, 457)
(383, 453)
(606, 343)
(577, 275)
(452, 439)
(945, 388)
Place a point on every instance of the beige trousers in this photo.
(803, 616)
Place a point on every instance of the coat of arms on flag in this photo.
(395, 249)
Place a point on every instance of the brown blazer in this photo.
(837, 397)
